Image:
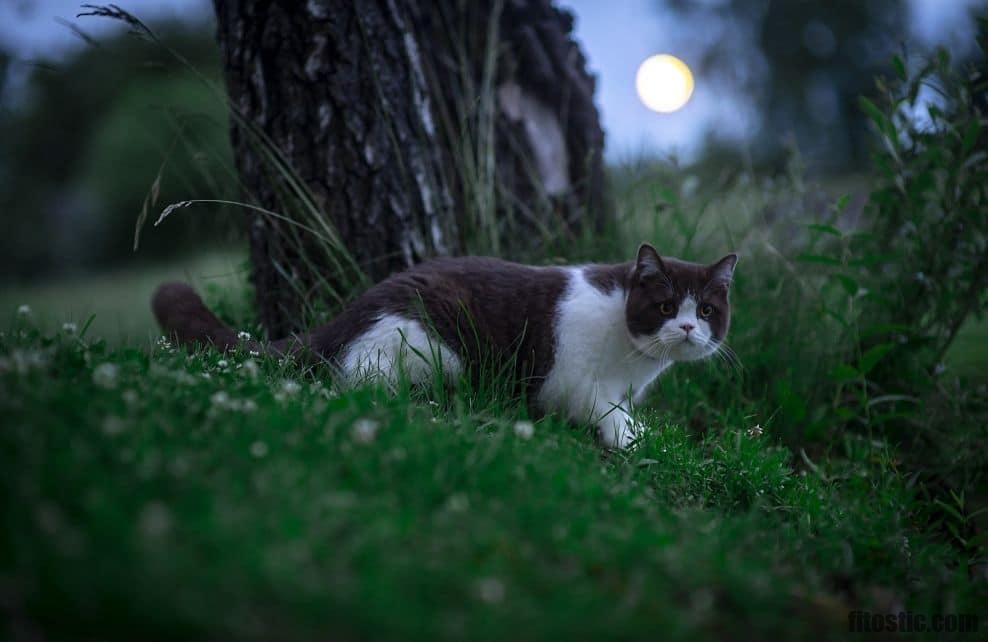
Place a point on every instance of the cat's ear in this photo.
(723, 270)
(648, 263)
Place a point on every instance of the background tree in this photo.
(803, 63)
(413, 129)
(84, 138)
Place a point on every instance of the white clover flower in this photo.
(250, 368)
(490, 590)
(243, 335)
(113, 425)
(69, 328)
(155, 520)
(24, 361)
(220, 398)
(105, 375)
(259, 449)
(254, 353)
(24, 310)
(365, 430)
(222, 363)
(458, 503)
(288, 388)
(524, 429)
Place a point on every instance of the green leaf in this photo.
(842, 202)
(899, 66)
(844, 373)
(971, 134)
(873, 355)
(850, 285)
(881, 121)
(817, 258)
(826, 229)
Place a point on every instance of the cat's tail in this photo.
(184, 317)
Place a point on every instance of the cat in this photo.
(584, 341)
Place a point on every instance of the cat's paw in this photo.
(617, 430)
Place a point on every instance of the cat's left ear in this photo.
(723, 270)
(648, 263)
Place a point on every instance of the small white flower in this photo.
(24, 310)
(250, 368)
(220, 399)
(69, 328)
(254, 353)
(524, 429)
(155, 520)
(243, 335)
(105, 375)
(287, 389)
(24, 361)
(755, 431)
(113, 425)
(365, 430)
(490, 590)
(164, 344)
(259, 449)
(222, 363)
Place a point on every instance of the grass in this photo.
(209, 496)
(119, 301)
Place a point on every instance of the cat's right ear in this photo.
(648, 263)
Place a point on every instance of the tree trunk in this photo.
(389, 131)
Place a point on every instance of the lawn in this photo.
(153, 493)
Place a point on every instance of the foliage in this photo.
(207, 495)
(88, 139)
(803, 64)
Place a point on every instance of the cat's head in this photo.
(678, 310)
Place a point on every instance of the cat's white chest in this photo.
(596, 369)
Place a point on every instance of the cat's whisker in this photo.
(729, 357)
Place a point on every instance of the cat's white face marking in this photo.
(685, 337)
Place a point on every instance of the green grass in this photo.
(119, 300)
(201, 496)
(969, 353)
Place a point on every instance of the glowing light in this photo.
(664, 83)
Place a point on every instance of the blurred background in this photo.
(93, 121)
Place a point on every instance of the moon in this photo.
(664, 83)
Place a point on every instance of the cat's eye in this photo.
(706, 310)
(667, 308)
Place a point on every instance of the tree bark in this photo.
(414, 128)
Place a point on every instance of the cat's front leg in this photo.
(617, 429)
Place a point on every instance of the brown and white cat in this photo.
(583, 340)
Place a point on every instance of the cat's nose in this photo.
(687, 327)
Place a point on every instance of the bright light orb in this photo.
(664, 83)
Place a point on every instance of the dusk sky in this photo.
(615, 35)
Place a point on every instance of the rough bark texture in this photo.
(388, 111)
